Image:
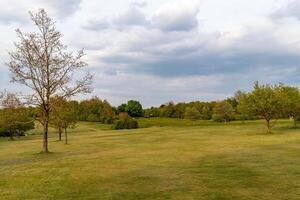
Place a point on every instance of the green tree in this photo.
(263, 101)
(167, 110)
(96, 110)
(15, 119)
(290, 97)
(151, 112)
(122, 108)
(134, 108)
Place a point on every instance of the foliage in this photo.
(290, 98)
(96, 110)
(122, 108)
(151, 112)
(64, 115)
(192, 113)
(125, 122)
(223, 112)
(264, 101)
(15, 119)
(134, 108)
(172, 110)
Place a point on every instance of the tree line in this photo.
(268, 102)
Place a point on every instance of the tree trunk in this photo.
(66, 136)
(59, 134)
(46, 127)
(268, 126)
(11, 134)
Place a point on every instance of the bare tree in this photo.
(41, 62)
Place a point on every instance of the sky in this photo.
(157, 51)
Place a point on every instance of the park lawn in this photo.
(172, 159)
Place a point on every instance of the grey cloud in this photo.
(292, 9)
(176, 21)
(166, 19)
(17, 11)
(255, 52)
(62, 8)
(132, 17)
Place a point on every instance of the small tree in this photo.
(264, 102)
(64, 116)
(223, 112)
(41, 62)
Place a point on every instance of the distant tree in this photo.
(290, 98)
(96, 110)
(151, 112)
(264, 102)
(15, 119)
(134, 108)
(223, 112)
(192, 113)
(167, 110)
(56, 120)
(239, 115)
(122, 108)
(238, 95)
(233, 102)
(41, 62)
(179, 110)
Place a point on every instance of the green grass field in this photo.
(170, 159)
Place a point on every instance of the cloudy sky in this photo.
(161, 50)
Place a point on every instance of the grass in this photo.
(171, 159)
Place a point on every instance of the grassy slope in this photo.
(169, 161)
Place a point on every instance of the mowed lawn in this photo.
(168, 159)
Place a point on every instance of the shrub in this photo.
(125, 122)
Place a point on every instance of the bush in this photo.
(125, 122)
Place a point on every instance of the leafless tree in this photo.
(41, 62)
(10, 100)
